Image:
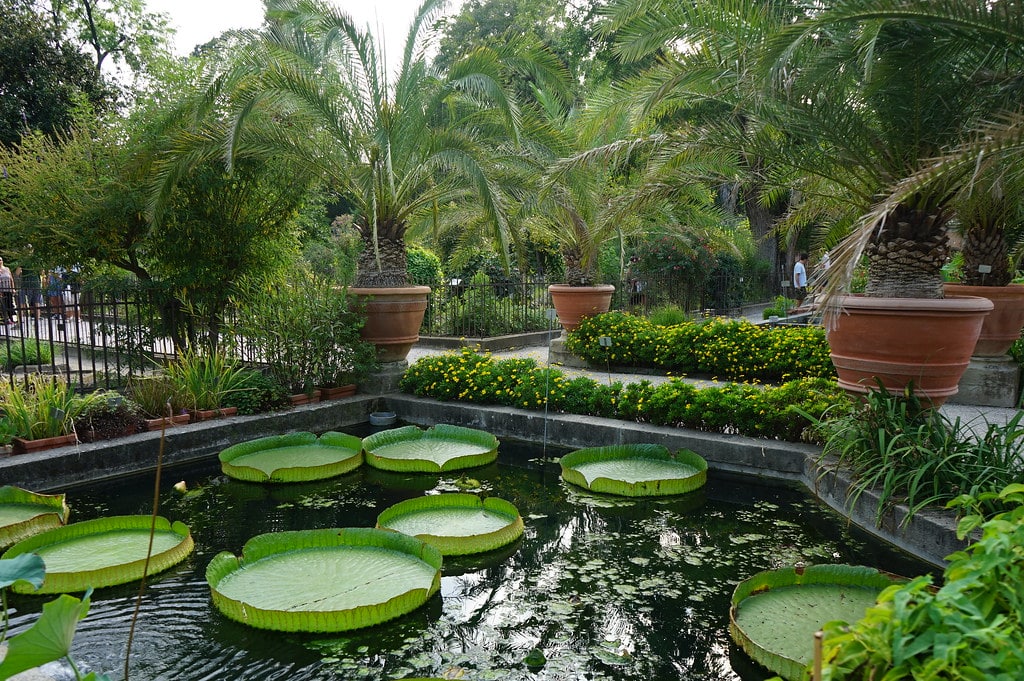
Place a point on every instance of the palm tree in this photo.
(313, 87)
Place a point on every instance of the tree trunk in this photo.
(985, 244)
(392, 268)
(906, 256)
(762, 221)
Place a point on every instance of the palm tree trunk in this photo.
(390, 270)
(905, 257)
(985, 244)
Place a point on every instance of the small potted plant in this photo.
(159, 400)
(110, 415)
(41, 411)
(204, 380)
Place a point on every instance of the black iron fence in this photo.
(100, 340)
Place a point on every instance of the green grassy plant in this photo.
(205, 380)
(916, 456)
(42, 406)
(29, 353)
(780, 307)
(155, 393)
(723, 348)
(668, 315)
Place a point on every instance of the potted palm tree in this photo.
(314, 86)
(867, 111)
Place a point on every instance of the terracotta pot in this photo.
(393, 318)
(203, 415)
(338, 392)
(23, 446)
(903, 341)
(167, 421)
(1003, 324)
(227, 411)
(573, 303)
(305, 398)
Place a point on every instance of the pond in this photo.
(605, 588)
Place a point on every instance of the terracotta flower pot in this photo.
(167, 421)
(305, 398)
(338, 392)
(203, 415)
(393, 318)
(903, 341)
(23, 446)
(1003, 324)
(573, 303)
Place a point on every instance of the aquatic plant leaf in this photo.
(324, 580)
(49, 638)
(439, 448)
(635, 470)
(294, 457)
(774, 614)
(28, 567)
(457, 524)
(103, 552)
(24, 513)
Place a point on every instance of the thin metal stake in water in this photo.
(551, 316)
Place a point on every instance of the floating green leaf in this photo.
(49, 638)
(24, 513)
(28, 567)
(324, 580)
(775, 614)
(636, 470)
(457, 524)
(103, 552)
(294, 457)
(439, 448)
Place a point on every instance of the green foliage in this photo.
(306, 331)
(261, 393)
(205, 380)
(29, 353)
(155, 394)
(916, 456)
(42, 406)
(482, 310)
(969, 628)
(669, 314)
(780, 307)
(424, 266)
(775, 413)
(732, 349)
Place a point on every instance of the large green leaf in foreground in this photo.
(294, 457)
(439, 448)
(457, 524)
(637, 470)
(775, 614)
(324, 580)
(24, 513)
(103, 552)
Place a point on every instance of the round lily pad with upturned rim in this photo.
(457, 524)
(294, 457)
(324, 580)
(774, 614)
(103, 552)
(439, 448)
(635, 470)
(24, 513)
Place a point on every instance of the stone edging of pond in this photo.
(930, 536)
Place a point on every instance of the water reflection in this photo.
(606, 588)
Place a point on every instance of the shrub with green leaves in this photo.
(780, 307)
(777, 413)
(669, 314)
(261, 394)
(733, 349)
(110, 415)
(28, 353)
(970, 628)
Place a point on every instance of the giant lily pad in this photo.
(324, 580)
(457, 524)
(439, 448)
(24, 513)
(638, 470)
(775, 614)
(103, 552)
(295, 457)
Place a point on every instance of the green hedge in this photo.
(723, 348)
(740, 409)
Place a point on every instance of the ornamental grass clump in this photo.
(724, 348)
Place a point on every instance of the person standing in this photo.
(55, 292)
(800, 277)
(6, 294)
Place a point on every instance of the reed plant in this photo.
(42, 406)
(157, 393)
(205, 379)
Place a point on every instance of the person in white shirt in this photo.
(800, 277)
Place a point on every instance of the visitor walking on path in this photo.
(800, 278)
(6, 294)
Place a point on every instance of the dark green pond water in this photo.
(608, 589)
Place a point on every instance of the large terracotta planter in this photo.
(904, 341)
(393, 318)
(573, 303)
(1003, 324)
